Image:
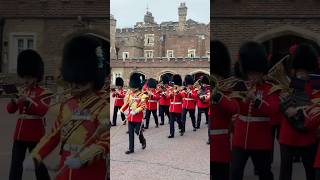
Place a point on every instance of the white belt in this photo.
(219, 131)
(175, 103)
(152, 101)
(27, 116)
(73, 148)
(188, 99)
(253, 119)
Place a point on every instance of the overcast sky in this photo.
(128, 12)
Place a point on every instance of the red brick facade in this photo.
(236, 21)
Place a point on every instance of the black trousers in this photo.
(148, 114)
(175, 117)
(200, 111)
(260, 159)
(219, 171)
(163, 110)
(192, 116)
(134, 127)
(18, 155)
(307, 155)
(317, 174)
(115, 114)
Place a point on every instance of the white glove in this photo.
(28, 164)
(73, 162)
(133, 113)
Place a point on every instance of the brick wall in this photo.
(235, 22)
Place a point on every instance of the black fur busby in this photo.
(165, 79)
(205, 80)
(119, 81)
(188, 80)
(221, 62)
(136, 81)
(84, 61)
(306, 58)
(253, 58)
(177, 80)
(30, 64)
(152, 83)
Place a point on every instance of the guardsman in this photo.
(202, 102)
(293, 141)
(152, 102)
(81, 127)
(175, 108)
(189, 96)
(164, 101)
(258, 102)
(119, 95)
(32, 105)
(135, 102)
(223, 108)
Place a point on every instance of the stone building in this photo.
(45, 25)
(154, 49)
(277, 24)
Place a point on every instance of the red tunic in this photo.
(252, 127)
(152, 102)
(219, 129)
(290, 136)
(175, 102)
(135, 101)
(119, 96)
(164, 99)
(189, 99)
(30, 126)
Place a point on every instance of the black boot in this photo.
(129, 151)
(171, 136)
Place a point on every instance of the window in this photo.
(191, 53)
(208, 53)
(148, 53)
(149, 39)
(18, 43)
(170, 54)
(125, 55)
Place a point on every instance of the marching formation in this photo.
(266, 101)
(172, 96)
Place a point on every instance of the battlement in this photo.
(155, 29)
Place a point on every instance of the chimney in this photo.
(182, 11)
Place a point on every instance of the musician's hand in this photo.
(133, 112)
(73, 162)
(291, 111)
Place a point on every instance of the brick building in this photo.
(45, 25)
(154, 49)
(276, 23)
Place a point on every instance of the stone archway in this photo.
(278, 41)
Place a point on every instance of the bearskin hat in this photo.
(119, 81)
(165, 79)
(30, 64)
(136, 81)
(205, 80)
(236, 69)
(306, 58)
(84, 61)
(188, 80)
(253, 58)
(177, 80)
(152, 83)
(221, 62)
